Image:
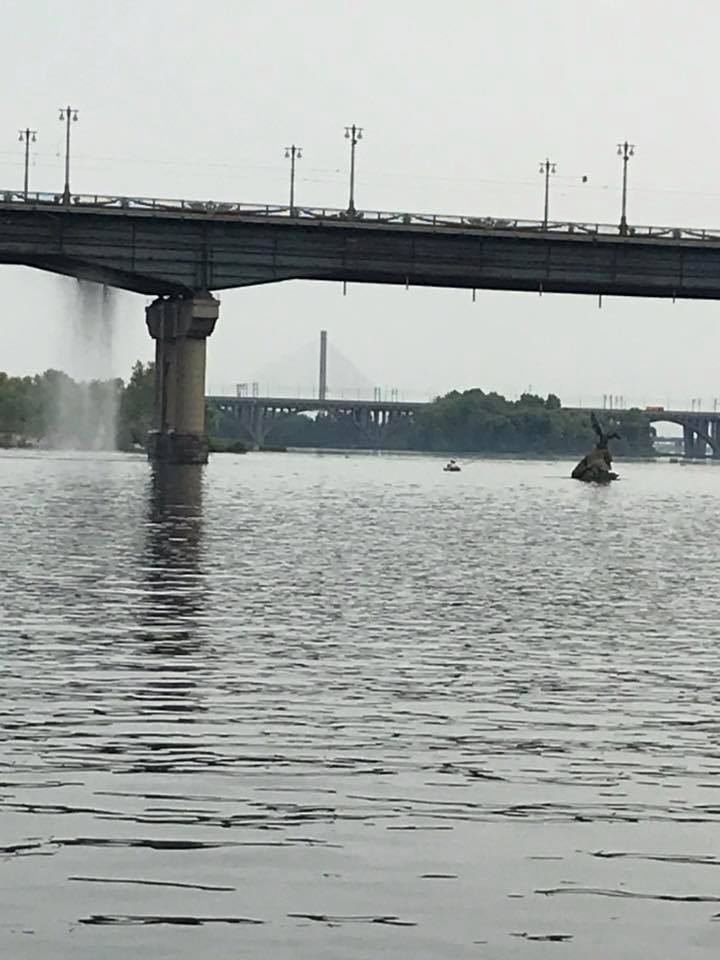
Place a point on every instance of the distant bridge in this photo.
(701, 428)
(375, 419)
(257, 416)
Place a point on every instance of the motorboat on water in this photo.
(452, 466)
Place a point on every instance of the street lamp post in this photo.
(353, 134)
(547, 167)
(67, 115)
(624, 150)
(292, 153)
(27, 136)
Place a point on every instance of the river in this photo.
(330, 707)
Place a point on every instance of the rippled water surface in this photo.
(303, 706)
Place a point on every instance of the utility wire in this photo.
(242, 168)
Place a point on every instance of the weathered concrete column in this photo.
(180, 327)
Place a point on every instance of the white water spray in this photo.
(87, 408)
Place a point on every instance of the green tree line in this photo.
(54, 409)
(473, 422)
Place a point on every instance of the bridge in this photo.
(376, 419)
(181, 251)
(256, 416)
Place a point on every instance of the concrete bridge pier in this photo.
(180, 327)
(715, 438)
(256, 424)
(697, 437)
(690, 443)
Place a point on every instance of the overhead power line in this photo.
(242, 168)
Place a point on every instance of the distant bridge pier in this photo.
(180, 327)
(715, 437)
(254, 421)
(699, 433)
(375, 421)
(690, 443)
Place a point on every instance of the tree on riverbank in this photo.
(53, 408)
(136, 406)
(478, 422)
(472, 422)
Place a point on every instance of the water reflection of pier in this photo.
(168, 689)
(174, 593)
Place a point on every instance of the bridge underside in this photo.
(178, 254)
(102, 273)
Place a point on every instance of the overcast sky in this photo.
(459, 102)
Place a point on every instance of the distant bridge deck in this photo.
(176, 247)
(310, 405)
(656, 415)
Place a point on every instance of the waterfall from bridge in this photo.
(87, 405)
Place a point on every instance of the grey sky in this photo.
(459, 102)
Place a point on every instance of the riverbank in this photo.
(224, 445)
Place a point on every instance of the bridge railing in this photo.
(384, 217)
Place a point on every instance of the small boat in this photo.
(452, 467)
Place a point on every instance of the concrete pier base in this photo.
(180, 328)
(174, 447)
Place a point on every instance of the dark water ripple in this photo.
(354, 707)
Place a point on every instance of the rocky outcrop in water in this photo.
(596, 466)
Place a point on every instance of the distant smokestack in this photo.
(322, 392)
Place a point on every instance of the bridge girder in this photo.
(176, 253)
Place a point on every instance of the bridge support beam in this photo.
(180, 327)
